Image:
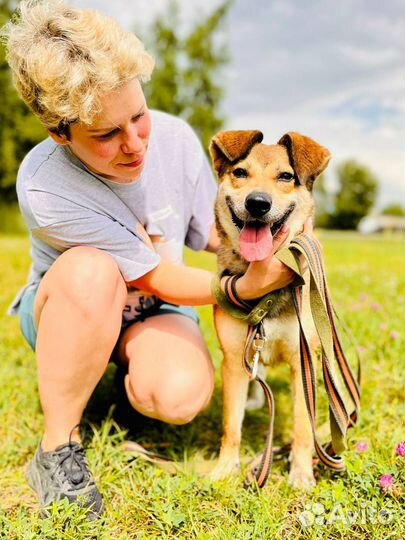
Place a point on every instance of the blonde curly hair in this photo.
(65, 59)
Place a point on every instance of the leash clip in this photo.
(258, 345)
(258, 342)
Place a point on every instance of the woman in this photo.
(110, 199)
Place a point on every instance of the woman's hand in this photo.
(263, 277)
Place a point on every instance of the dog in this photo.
(261, 189)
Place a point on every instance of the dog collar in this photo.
(253, 312)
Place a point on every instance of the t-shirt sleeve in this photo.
(202, 204)
(79, 226)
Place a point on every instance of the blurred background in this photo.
(334, 72)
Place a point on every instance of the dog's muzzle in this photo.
(258, 204)
(256, 229)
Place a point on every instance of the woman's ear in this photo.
(59, 139)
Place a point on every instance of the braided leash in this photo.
(324, 318)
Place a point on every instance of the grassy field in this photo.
(367, 278)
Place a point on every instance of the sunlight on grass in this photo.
(367, 280)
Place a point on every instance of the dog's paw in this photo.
(302, 479)
(223, 470)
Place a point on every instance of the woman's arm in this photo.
(177, 284)
(192, 287)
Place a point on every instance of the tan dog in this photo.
(261, 189)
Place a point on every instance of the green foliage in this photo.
(11, 220)
(19, 128)
(393, 210)
(144, 502)
(355, 197)
(186, 81)
(323, 203)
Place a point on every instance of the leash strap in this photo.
(324, 319)
(255, 340)
(309, 384)
(139, 451)
(323, 314)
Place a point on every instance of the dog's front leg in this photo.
(301, 471)
(235, 388)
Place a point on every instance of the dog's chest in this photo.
(281, 339)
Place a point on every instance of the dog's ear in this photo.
(230, 146)
(307, 157)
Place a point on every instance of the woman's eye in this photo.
(240, 173)
(107, 136)
(138, 116)
(286, 176)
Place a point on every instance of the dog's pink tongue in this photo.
(256, 243)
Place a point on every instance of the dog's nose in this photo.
(258, 204)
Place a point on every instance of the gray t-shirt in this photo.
(66, 205)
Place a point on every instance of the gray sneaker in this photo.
(64, 474)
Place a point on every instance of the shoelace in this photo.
(72, 463)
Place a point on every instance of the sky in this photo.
(334, 71)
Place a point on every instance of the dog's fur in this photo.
(291, 203)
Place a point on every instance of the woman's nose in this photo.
(132, 143)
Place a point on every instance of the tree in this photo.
(323, 203)
(355, 197)
(186, 78)
(19, 128)
(393, 210)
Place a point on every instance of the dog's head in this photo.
(263, 187)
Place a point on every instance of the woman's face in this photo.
(115, 144)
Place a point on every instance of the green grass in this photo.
(11, 221)
(366, 276)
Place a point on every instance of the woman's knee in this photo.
(176, 399)
(87, 277)
(84, 273)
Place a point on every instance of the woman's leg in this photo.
(78, 313)
(170, 373)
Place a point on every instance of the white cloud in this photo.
(333, 71)
(137, 14)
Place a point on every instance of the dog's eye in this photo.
(240, 173)
(286, 177)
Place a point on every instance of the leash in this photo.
(324, 319)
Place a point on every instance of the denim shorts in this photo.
(29, 329)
